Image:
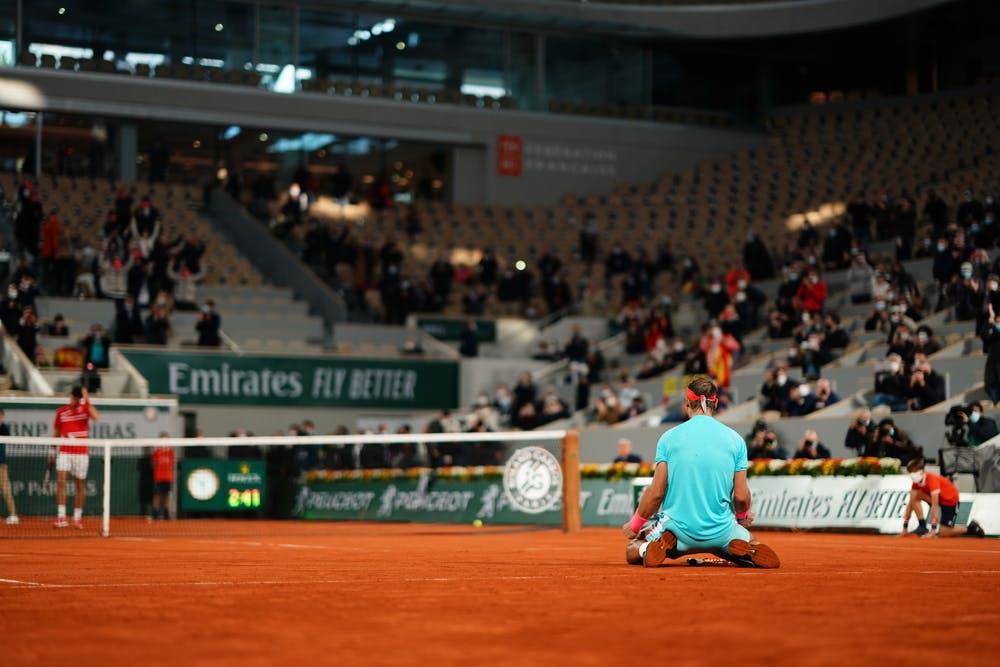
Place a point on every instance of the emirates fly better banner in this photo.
(229, 379)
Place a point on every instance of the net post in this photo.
(106, 501)
(571, 519)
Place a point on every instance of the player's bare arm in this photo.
(650, 501)
(91, 410)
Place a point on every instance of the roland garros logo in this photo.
(532, 480)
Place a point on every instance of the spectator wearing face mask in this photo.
(860, 277)
(767, 448)
(991, 300)
(715, 299)
(902, 343)
(891, 384)
(185, 287)
(981, 428)
(891, 441)
(207, 325)
(878, 318)
(990, 335)
(926, 385)
(925, 343)
(114, 276)
(801, 402)
(10, 311)
(777, 387)
(966, 293)
(824, 394)
(810, 447)
(945, 265)
(718, 348)
(860, 433)
(811, 294)
(503, 401)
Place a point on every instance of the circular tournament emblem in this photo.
(532, 480)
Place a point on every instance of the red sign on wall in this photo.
(508, 155)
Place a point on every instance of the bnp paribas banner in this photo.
(228, 379)
(434, 500)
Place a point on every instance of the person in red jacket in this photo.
(52, 230)
(164, 460)
(942, 496)
(811, 294)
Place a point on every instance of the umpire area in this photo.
(404, 594)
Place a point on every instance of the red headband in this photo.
(691, 396)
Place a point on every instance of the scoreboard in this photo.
(215, 485)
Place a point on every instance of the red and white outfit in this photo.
(73, 422)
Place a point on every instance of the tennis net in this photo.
(154, 486)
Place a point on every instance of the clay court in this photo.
(406, 594)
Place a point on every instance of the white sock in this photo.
(61, 511)
(77, 513)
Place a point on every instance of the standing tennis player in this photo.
(72, 421)
(698, 501)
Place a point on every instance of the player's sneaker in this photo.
(657, 550)
(12, 520)
(753, 555)
(920, 531)
(976, 530)
(61, 522)
(78, 524)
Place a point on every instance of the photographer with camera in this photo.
(860, 433)
(892, 442)
(765, 446)
(811, 448)
(891, 384)
(926, 385)
(969, 427)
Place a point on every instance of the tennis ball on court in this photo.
(478, 523)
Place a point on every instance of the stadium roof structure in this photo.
(696, 19)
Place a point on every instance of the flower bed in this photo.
(863, 465)
(384, 474)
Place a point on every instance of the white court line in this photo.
(254, 543)
(960, 572)
(138, 539)
(22, 583)
(930, 548)
(634, 574)
(300, 546)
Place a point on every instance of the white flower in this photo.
(849, 462)
(889, 464)
(812, 464)
(775, 464)
(632, 468)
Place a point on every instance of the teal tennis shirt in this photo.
(702, 455)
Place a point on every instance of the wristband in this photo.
(740, 516)
(636, 523)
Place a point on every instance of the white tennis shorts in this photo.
(74, 464)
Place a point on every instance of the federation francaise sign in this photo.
(202, 378)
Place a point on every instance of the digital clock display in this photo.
(244, 499)
(215, 485)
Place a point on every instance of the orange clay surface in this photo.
(309, 593)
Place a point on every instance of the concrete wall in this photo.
(561, 153)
